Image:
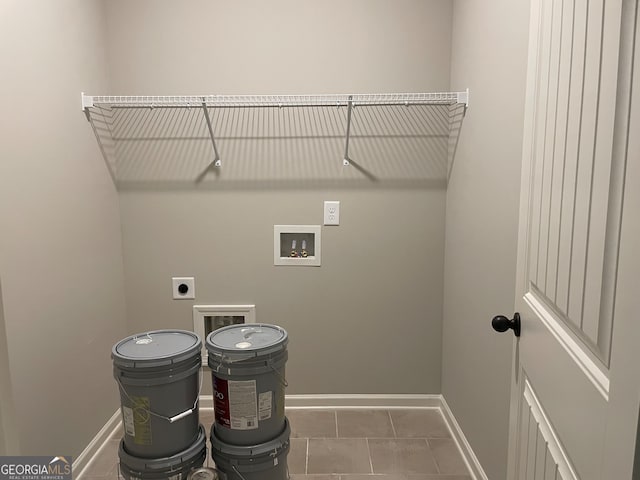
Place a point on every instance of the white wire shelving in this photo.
(234, 101)
(210, 103)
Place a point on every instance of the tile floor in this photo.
(350, 445)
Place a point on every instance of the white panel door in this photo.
(577, 220)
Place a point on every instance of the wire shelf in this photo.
(221, 101)
(148, 138)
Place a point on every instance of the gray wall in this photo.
(60, 247)
(368, 320)
(489, 54)
(8, 440)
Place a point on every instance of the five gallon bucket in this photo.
(158, 376)
(175, 467)
(266, 461)
(248, 370)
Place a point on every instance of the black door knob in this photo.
(501, 323)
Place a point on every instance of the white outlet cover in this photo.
(190, 282)
(331, 212)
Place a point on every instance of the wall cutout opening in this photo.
(208, 318)
(296, 245)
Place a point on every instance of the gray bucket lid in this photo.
(139, 464)
(250, 451)
(247, 340)
(156, 348)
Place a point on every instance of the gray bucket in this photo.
(266, 461)
(158, 377)
(248, 371)
(175, 467)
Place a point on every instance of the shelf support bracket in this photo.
(216, 158)
(346, 161)
(87, 103)
(463, 97)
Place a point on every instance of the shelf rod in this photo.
(346, 161)
(216, 159)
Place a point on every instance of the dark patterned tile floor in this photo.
(399, 444)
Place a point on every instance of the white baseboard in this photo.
(348, 401)
(310, 402)
(473, 464)
(206, 402)
(382, 401)
(83, 460)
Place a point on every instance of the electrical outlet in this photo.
(183, 288)
(332, 213)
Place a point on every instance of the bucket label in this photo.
(127, 417)
(137, 420)
(243, 404)
(236, 403)
(265, 401)
(221, 402)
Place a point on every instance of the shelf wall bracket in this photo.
(216, 158)
(346, 161)
(463, 97)
(87, 103)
